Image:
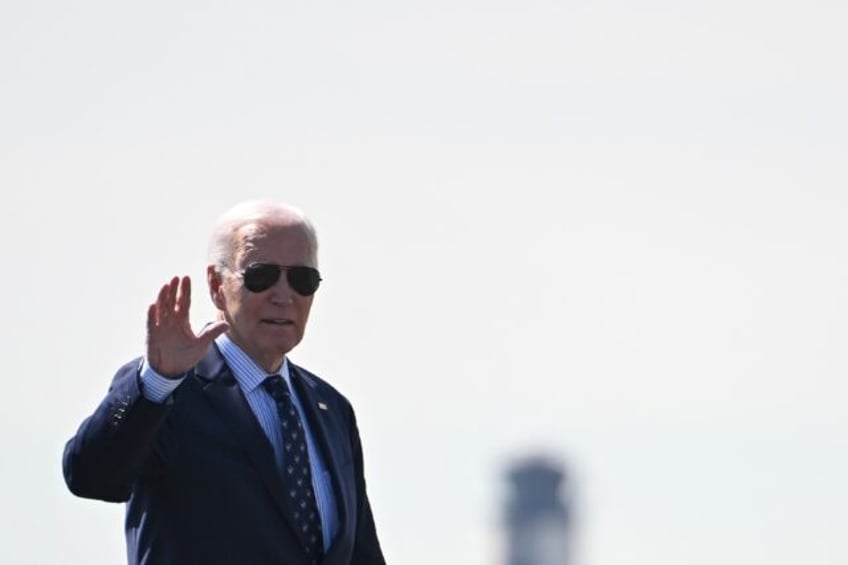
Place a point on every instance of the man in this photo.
(224, 451)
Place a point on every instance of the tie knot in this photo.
(276, 387)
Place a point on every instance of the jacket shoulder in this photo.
(319, 384)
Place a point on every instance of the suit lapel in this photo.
(225, 396)
(323, 422)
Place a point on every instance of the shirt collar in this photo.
(248, 374)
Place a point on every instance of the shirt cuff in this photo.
(154, 386)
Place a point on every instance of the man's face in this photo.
(270, 323)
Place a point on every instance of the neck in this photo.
(270, 363)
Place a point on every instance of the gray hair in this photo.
(223, 241)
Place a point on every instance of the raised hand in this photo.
(172, 346)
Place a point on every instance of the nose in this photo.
(281, 292)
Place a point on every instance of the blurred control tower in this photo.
(537, 519)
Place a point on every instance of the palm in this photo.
(172, 346)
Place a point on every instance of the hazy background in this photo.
(612, 231)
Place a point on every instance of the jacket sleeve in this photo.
(116, 444)
(366, 549)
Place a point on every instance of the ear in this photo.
(215, 282)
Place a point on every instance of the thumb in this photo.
(211, 331)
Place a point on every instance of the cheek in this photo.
(231, 300)
(305, 305)
(250, 305)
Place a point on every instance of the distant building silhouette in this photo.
(537, 518)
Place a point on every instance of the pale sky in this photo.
(610, 231)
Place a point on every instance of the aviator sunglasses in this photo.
(262, 276)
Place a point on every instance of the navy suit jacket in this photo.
(199, 477)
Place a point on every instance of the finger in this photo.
(151, 319)
(184, 296)
(170, 297)
(151, 341)
(161, 303)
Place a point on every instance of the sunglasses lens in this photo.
(261, 276)
(303, 280)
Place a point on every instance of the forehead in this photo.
(276, 242)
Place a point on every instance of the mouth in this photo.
(278, 321)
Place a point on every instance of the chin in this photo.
(284, 347)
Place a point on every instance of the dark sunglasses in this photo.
(262, 276)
